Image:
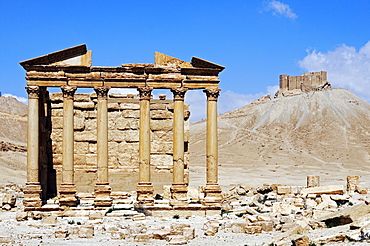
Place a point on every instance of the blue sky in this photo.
(256, 40)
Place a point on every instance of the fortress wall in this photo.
(311, 80)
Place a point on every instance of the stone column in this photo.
(212, 191)
(179, 188)
(32, 190)
(102, 188)
(68, 189)
(313, 181)
(145, 189)
(352, 183)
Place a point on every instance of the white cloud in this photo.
(21, 99)
(346, 67)
(279, 8)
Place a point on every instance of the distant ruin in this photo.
(312, 81)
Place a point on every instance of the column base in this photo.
(67, 195)
(32, 196)
(179, 195)
(212, 195)
(145, 194)
(102, 195)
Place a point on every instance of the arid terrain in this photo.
(282, 140)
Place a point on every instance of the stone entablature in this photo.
(305, 82)
(123, 133)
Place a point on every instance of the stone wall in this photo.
(306, 81)
(123, 140)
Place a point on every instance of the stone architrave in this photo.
(179, 188)
(68, 189)
(32, 190)
(102, 188)
(212, 191)
(145, 188)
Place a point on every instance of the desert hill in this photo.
(282, 140)
(13, 137)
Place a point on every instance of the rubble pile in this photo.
(270, 215)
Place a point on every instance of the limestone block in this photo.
(113, 148)
(166, 136)
(161, 160)
(281, 208)
(158, 106)
(117, 136)
(91, 159)
(82, 97)
(125, 147)
(57, 105)
(362, 221)
(111, 124)
(331, 239)
(253, 229)
(93, 148)
(176, 240)
(330, 189)
(161, 234)
(164, 125)
(57, 159)
(91, 114)
(300, 240)
(352, 182)
(86, 232)
(211, 227)
(79, 123)
(188, 233)
(78, 113)
(131, 113)
(113, 106)
(80, 159)
(329, 201)
(81, 147)
(361, 190)
(238, 227)
(132, 136)
(57, 112)
(313, 181)
(85, 136)
(114, 114)
(282, 190)
(56, 134)
(57, 147)
(84, 105)
(160, 114)
(91, 125)
(57, 122)
(161, 147)
(130, 106)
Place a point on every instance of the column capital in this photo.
(212, 94)
(68, 91)
(145, 92)
(102, 92)
(33, 91)
(179, 93)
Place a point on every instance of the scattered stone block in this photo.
(330, 189)
(300, 240)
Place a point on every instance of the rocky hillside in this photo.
(282, 140)
(13, 137)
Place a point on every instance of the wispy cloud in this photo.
(280, 9)
(346, 67)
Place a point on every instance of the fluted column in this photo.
(178, 188)
(32, 190)
(67, 188)
(102, 188)
(212, 190)
(145, 189)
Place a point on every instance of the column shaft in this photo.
(212, 190)
(67, 188)
(145, 189)
(102, 188)
(178, 188)
(32, 190)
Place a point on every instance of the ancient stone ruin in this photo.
(305, 82)
(78, 142)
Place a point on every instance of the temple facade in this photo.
(58, 144)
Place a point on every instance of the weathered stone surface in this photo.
(330, 189)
